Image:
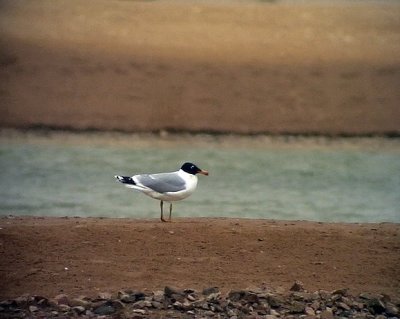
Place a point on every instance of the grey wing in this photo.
(162, 183)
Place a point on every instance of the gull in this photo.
(166, 187)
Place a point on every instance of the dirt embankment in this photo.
(245, 68)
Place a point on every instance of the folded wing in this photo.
(162, 183)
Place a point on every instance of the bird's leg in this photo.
(170, 211)
(162, 216)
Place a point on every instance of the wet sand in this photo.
(48, 256)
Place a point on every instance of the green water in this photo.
(308, 183)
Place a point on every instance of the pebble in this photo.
(266, 303)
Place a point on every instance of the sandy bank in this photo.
(201, 67)
(84, 256)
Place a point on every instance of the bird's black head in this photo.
(192, 169)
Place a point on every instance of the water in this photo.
(341, 184)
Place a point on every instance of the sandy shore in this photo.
(77, 256)
(244, 67)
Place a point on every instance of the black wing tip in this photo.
(125, 179)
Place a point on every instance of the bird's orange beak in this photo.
(203, 172)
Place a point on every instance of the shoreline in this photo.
(51, 255)
(166, 138)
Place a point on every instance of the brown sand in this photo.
(228, 67)
(77, 256)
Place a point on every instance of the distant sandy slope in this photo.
(255, 67)
(77, 256)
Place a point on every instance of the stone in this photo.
(79, 309)
(213, 296)
(376, 305)
(64, 308)
(158, 296)
(297, 286)
(81, 301)
(237, 295)
(21, 301)
(142, 304)
(62, 299)
(341, 291)
(343, 306)
(325, 295)
(104, 310)
(303, 296)
(118, 304)
(41, 301)
(274, 313)
(209, 313)
(140, 311)
(157, 305)
(316, 305)
(297, 307)
(275, 301)
(33, 309)
(210, 290)
(391, 310)
(309, 311)
(326, 314)
(170, 291)
(104, 296)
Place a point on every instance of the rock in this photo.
(213, 296)
(142, 304)
(210, 290)
(33, 309)
(187, 304)
(274, 313)
(118, 304)
(297, 307)
(324, 295)
(376, 306)
(326, 314)
(391, 310)
(297, 286)
(104, 310)
(341, 291)
(22, 301)
(316, 305)
(104, 296)
(236, 295)
(62, 299)
(81, 301)
(303, 296)
(309, 311)
(158, 296)
(64, 308)
(369, 296)
(209, 314)
(140, 311)
(275, 301)
(79, 309)
(157, 305)
(169, 291)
